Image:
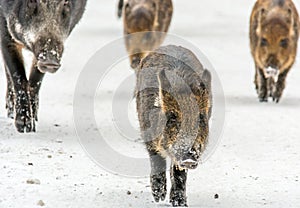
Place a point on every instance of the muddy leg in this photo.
(13, 60)
(262, 86)
(120, 8)
(256, 81)
(178, 190)
(158, 176)
(10, 96)
(280, 85)
(35, 81)
(271, 86)
(135, 60)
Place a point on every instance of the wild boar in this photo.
(174, 104)
(143, 16)
(274, 32)
(40, 26)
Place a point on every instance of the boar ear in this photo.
(294, 25)
(164, 86)
(261, 12)
(206, 78)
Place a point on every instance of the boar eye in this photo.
(202, 119)
(171, 118)
(263, 42)
(32, 3)
(32, 6)
(66, 8)
(66, 2)
(284, 43)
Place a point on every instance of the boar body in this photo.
(174, 104)
(274, 32)
(141, 16)
(40, 26)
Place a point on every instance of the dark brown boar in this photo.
(174, 104)
(274, 32)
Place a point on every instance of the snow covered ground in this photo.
(257, 163)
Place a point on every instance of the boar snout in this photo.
(48, 65)
(49, 55)
(272, 62)
(189, 161)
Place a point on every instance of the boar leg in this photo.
(262, 86)
(271, 86)
(135, 60)
(158, 176)
(256, 79)
(120, 8)
(13, 60)
(280, 85)
(178, 190)
(10, 96)
(35, 81)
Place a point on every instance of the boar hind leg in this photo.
(280, 85)
(262, 86)
(10, 96)
(178, 190)
(158, 176)
(35, 81)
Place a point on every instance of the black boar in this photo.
(144, 16)
(40, 26)
(174, 103)
(274, 32)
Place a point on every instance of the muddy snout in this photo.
(189, 161)
(272, 62)
(48, 65)
(272, 69)
(49, 55)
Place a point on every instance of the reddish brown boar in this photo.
(144, 16)
(274, 31)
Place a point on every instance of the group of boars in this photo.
(173, 89)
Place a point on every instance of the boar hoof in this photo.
(276, 99)
(178, 198)
(263, 99)
(23, 120)
(159, 186)
(277, 96)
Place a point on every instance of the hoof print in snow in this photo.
(33, 181)
(41, 203)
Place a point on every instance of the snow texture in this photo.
(255, 165)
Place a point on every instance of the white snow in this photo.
(257, 163)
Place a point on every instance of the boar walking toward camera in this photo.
(174, 104)
(40, 26)
(274, 32)
(141, 16)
